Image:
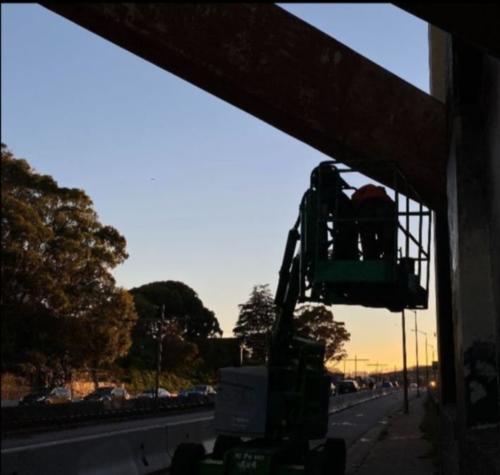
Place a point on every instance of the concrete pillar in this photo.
(471, 205)
(445, 334)
(473, 184)
(446, 349)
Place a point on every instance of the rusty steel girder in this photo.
(282, 70)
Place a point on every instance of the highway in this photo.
(145, 446)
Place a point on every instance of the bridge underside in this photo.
(282, 70)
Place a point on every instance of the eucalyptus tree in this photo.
(60, 302)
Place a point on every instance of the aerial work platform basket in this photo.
(361, 255)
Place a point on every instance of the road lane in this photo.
(362, 426)
(352, 423)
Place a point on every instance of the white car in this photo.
(151, 394)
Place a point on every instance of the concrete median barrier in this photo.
(117, 450)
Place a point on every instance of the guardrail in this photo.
(32, 418)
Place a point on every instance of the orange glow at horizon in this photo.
(376, 335)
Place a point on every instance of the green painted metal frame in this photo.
(327, 279)
(355, 271)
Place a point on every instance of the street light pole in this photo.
(416, 349)
(405, 369)
(432, 364)
(426, 363)
(426, 359)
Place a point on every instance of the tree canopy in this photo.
(59, 299)
(255, 320)
(258, 313)
(181, 304)
(316, 322)
(188, 322)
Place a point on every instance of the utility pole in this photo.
(159, 349)
(405, 369)
(426, 359)
(356, 359)
(416, 349)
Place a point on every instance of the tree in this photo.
(182, 304)
(109, 329)
(257, 316)
(256, 319)
(59, 299)
(316, 322)
(189, 322)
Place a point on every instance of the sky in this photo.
(203, 192)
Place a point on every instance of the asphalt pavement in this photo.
(399, 448)
(353, 423)
(361, 426)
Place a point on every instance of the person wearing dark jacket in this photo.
(326, 177)
(377, 222)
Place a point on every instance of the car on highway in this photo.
(386, 385)
(108, 394)
(200, 390)
(347, 386)
(151, 393)
(57, 395)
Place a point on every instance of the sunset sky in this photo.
(203, 192)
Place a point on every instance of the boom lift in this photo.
(271, 419)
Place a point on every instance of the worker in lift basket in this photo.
(377, 222)
(327, 177)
